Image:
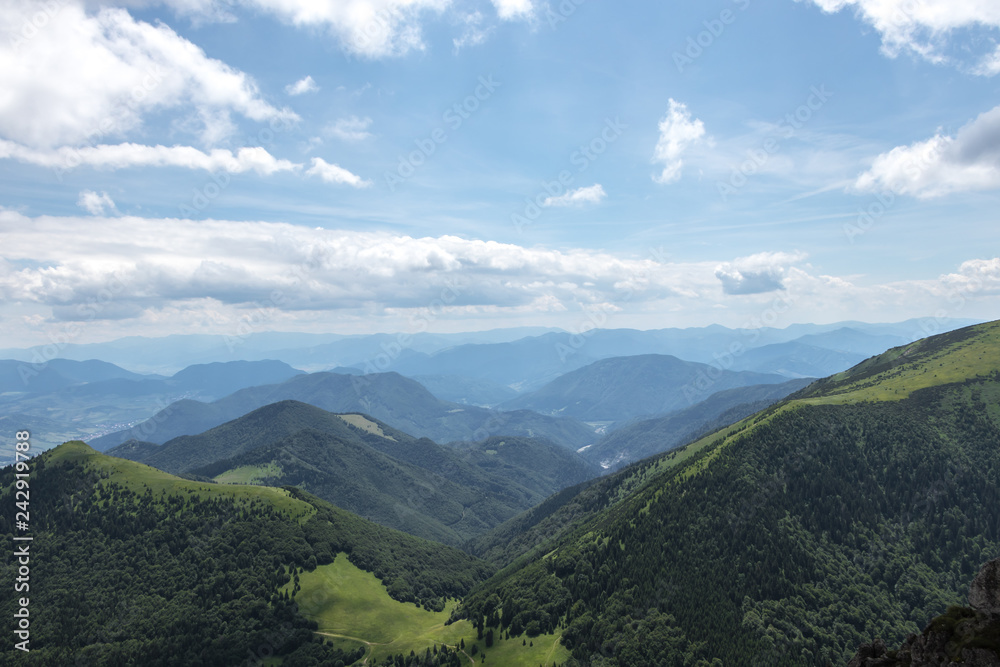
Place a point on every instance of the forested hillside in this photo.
(448, 494)
(857, 510)
(648, 437)
(133, 566)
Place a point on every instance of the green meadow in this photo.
(249, 474)
(352, 606)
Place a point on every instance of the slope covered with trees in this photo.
(448, 494)
(856, 509)
(130, 565)
(648, 437)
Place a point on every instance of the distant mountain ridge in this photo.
(372, 469)
(623, 388)
(641, 439)
(24, 376)
(389, 397)
(69, 400)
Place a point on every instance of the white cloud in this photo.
(369, 28)
(757, 274)
(990, 64)
(590, 195)
(96, 204)
(976, 276)
(302, 86)
(941, 165)
(89, 77)
(123, 156)
(677, 133)
(167, 276)
(350, 129)
(922, 26)
(331, 173)
(158, 263)
(514, 9)
(474, 34)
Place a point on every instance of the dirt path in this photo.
(370, 644)
(471, 659)
(356, 639)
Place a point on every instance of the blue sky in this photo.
(354, 166)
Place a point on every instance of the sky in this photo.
(361, 166)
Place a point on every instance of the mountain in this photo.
(858, 507)
(221, 379)
(623, 388)
(23, 376)
(466, 391)
(71, 400)
(522, 365)
(45, 433)
(130, 565)
(169, 354)
(362, 480)
(648, 437)
(389, 397)
(373, 470)
(796, 360)
(854, 341)
(528, 363)
(537, 465)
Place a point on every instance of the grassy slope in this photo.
(248, 474)
(352, 605)
(138, 477)
(891, 376)
(359, 596)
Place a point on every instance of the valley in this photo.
(776, 522)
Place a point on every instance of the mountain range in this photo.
(623, 388)
(793, 522)
(390, 397)
(373, 470)
(859, 507)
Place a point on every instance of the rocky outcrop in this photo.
(968, 636)
(984, 594)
